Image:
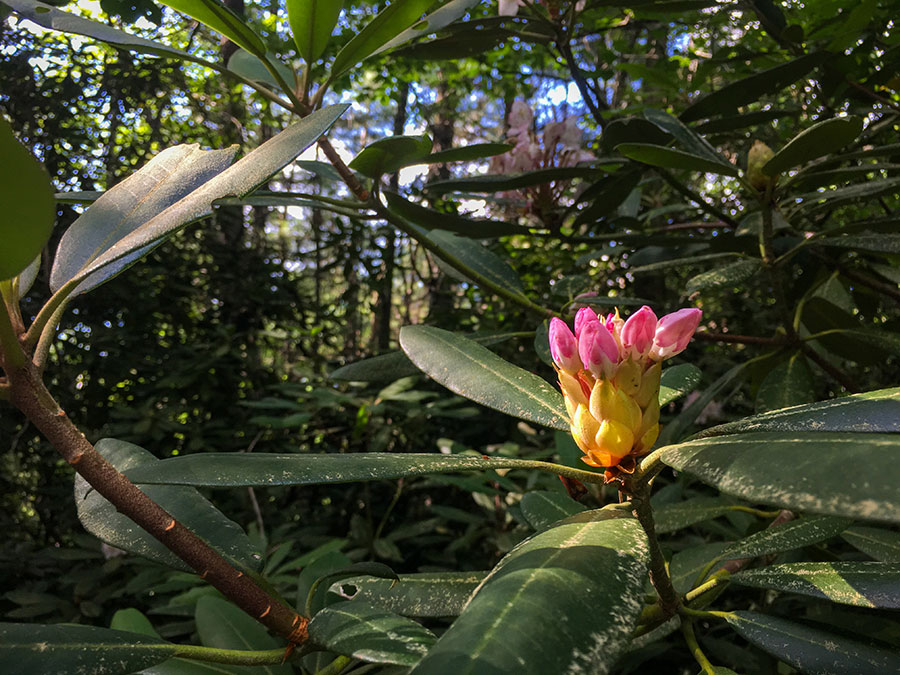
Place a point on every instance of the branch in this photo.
(30, 396)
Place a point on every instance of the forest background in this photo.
(240, 334)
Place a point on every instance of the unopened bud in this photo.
(759, 154)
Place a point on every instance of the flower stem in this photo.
(659, 573)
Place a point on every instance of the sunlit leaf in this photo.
(577, 586)
(817, 141)
(312, 22)
(423, 595)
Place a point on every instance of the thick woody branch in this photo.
(29, 395)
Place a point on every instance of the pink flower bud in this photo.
(638, 332)
(584, 315)
(597, 348)
(673, 332)
(563, 346)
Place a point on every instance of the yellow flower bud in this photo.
(628, 377)
(649, 388)
(614, 440)
(759, 154)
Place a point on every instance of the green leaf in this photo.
(689, 140)
(387, 24)
(222, 469)
(438, 19)
(395, 365)
(430, 219)
(29, 207)
(817, 141)
(542, 508)
(222, 625)
(876, 243)
(68, 649)
(679, 515)
(787, 384)
(819, 200)
(669, 158)
(470, 370)
(864, 584)
(788, 536)
(370, 633)
(132, 621)
(874, 411)
(686, 566)
(883, 545)
(101, 518)
(166, 179)
(53, 18)
(727, 276)
(504, 183)
(474, 255)
(681, 262)
(677, 381)
(812, 650)
(390, 154)
(750, 89)
(675, 429)
(126, 236)
(222, 20)
(564, 600)
(312, 22)
(424, 595)
(249, 67)
(800, 471)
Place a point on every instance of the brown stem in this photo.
(343, 170)
(839, 375)
(659, 574)
(30, 396)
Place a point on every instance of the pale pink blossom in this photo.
(564, 347)
(638, 332)
(597, 348)
(673, 332)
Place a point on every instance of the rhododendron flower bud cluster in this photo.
(609, 371)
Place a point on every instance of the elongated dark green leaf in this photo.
(874, 411)
(467, 153)
(728, 123)
(787, 384)
(394, 365)
(222, 625)
(749, 89)
(814, 202)
(164, 180)
(390, 154)
(474, 255)
(677, 381)
(801, 471)
(124, 246)
(676, 428)
(387, 24)
(883, 545)
(686, 566)
(864, 584)
(470, 370)
(53, 18)
(577, 585)
(68, 649)
(876, 243)
(430, 219)
(101, 519)
(370, 633)
(687, 138)
(222, 20)
(727, 276)
(29, 207)
(424, 595)
(502, 183)
(542, 508)
(672, 517)
(681, 262)
(312, 22)
(788, 536)
(213, 469)
(813, 650)
(440, 18)
(249, 67)
(817, 141)
(669, 158)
